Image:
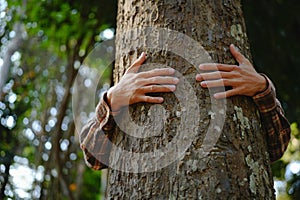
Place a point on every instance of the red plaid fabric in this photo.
(95, 136)
(275, 123)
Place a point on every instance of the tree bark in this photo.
(227, 156)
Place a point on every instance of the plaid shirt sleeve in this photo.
(95, 137)
(275, 123)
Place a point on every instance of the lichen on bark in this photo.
(234, 167)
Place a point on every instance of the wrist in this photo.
(110, 101)
(263, 84)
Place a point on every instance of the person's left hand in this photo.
(243, 79)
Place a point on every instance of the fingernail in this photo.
(176, 80)
(172, 87)
(142, 54)
(171, 70)
(236, 48)
(198, 77)
(217, 96)
(201, 66)
(203, 84)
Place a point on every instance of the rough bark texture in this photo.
(237, 167)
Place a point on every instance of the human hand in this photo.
(134, 86)
(243, 79)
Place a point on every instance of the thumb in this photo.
(136, 64)
(240, 58)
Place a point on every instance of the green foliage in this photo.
(291, 154)
(91, 185)
(58, 35)
(282, 168)
(293, 150)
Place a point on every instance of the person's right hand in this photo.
(134, 86)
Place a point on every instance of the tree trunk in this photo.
(191, 146)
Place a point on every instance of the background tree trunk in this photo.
(237, 167)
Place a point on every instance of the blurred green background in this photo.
(44, 42)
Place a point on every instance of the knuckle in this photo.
(242, 88)
(139, 81)
(137, 75)
(217, 66)
(236, 68)
(233, 74)
(147, 99)
(225, 81)
(136, 82)
(220, 74)
(137, 90)
(152, 88)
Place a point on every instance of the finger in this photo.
(159, 80)
(137, 64)
(157, 72)
(217, 67)
(240, 58)
(149, 99)
(220, 95)
(157, 88)
(214, 75)
(214, 83)
(199, 77)
(226, 94)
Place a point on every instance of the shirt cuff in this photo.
(102, 111)
(266, 100)
(104, 115)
